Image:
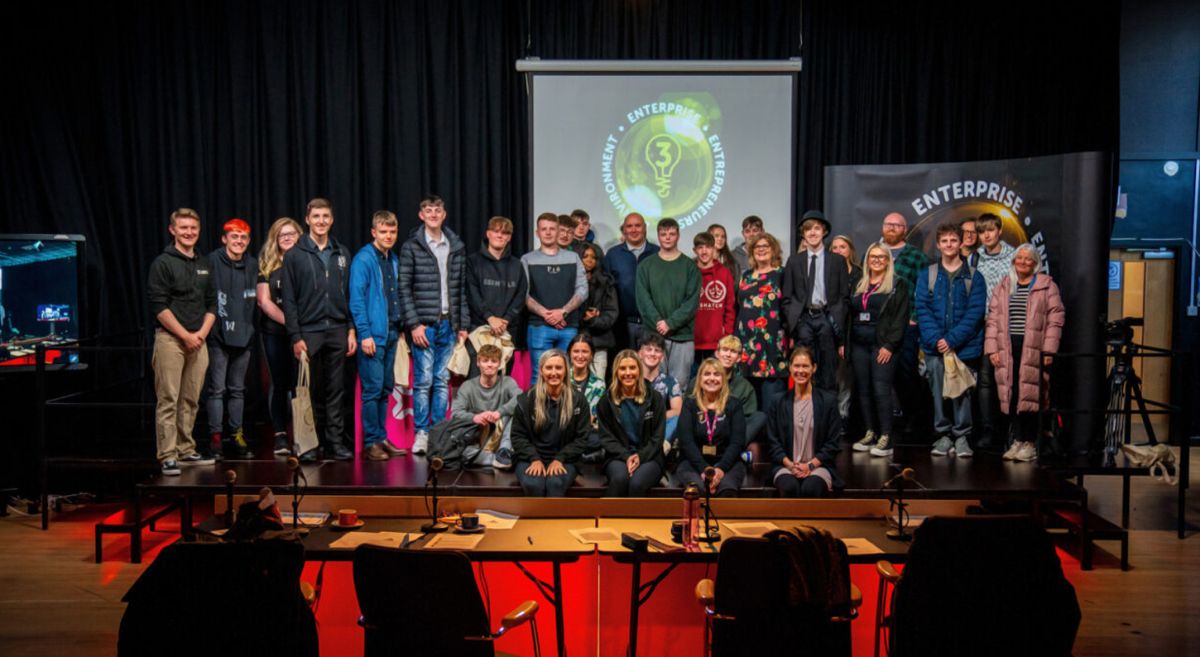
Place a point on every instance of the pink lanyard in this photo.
(711, 426)
(866, 295)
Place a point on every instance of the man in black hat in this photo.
(816, 283)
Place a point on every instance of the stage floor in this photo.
(982, 477)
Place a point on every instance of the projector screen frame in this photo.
(531, 66)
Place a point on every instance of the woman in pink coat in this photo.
(1024, 322)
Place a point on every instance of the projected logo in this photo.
(665, 159)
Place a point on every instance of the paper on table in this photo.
(307, 518)
(352, 540)
(861, 546)
(750, 529)
(594, 535)
(496, 520)
(450, 541)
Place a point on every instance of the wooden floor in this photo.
(54, 600)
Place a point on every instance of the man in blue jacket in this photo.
(433, 309)
(951, 304)
(316, 275)
(622, 262)
(375, 307)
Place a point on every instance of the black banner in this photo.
(1060, 204)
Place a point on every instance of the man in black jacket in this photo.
(496, 283)
(433, 301)
(816, 283)
(184, 305)
(316, 280)
(234, 275)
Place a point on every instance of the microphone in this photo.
(905, 475)
(293, 463)
(436, 463)
(293, 466)
(708, 475)
(230, 480)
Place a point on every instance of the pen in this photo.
(530, 539)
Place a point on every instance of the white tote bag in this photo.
(304, 427)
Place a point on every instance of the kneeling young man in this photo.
(488, 400)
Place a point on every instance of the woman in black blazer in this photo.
(631, 417)
(712, 433)
(803, 429)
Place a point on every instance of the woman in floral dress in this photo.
(760, 324)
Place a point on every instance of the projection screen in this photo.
(702, 142)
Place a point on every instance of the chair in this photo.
(775, 595)
(981, 585)
(425, 602)
(206, 599)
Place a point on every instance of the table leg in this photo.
(135, 537)
(558, 611)
(635, 588)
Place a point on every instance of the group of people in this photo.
(709, 354)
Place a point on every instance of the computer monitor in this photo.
(41, 277)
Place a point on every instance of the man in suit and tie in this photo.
(816, 283)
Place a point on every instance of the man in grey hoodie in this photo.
(488, 400)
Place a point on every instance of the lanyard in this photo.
(711, 426)
(867, 295)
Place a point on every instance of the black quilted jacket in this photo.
(421, 286)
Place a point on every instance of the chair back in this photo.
(419, 602)
(237, 598)
(983, 585)
(774, 595)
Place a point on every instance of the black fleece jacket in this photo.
(236, 283)
(602, 295)
(729, 436)
(893, 319)
(182, 285)
(495, 288)
(314, 296)
(652, 421)
(553, 442)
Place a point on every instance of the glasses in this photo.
(875, 258)
(894, 225)
(762, 247)
(288, 235)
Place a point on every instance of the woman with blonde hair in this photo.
(760, 321)
(1024, 324)
(712, 433)
(283, 235)
(631, 418)
(549, 429)
(879, 309)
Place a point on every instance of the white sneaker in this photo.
(421, 444)
(883, 447)
(864, 444)
(1011, 453)
(1027, 452)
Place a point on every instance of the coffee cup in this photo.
(677, 531)
(347, 517)
(469, 521)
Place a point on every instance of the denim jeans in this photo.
(543, 338)
(375, 373)
(226, 377)
(958, 424)
(431, 393)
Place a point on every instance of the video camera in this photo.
(1120, 332)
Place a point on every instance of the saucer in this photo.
(459, 529)
(338, 527)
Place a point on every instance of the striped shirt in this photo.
(1018, 304)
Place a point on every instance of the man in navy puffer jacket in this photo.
(433, 307)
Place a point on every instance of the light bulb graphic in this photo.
(663, 153)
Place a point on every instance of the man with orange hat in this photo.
(234, 276)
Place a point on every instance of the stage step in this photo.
(123, 523)
(1089, 527)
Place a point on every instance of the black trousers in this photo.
(621, 484)
(873, 386)
(815, 332)
(327, 360)
(811, 487)
(986, 401)
(730, 484)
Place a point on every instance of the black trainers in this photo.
(281, 444)
(338, 452)
(310, 456)
(170, 468)
(195, 459)
(503, 459)
(237, 448)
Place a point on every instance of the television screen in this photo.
(39, 296)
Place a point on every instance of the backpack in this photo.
(456, 441)
(933, 271)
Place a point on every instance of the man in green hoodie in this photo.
(668, 295)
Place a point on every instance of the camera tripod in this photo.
(1124, 390)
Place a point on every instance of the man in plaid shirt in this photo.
(910, 263)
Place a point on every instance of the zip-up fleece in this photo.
(314, 297)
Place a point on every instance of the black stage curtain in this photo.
(119, 111)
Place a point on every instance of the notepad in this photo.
(750, 529)
(496, 520)
(450, 541)
(352, 540)
(861, 546)
(307, 518)
(595, 535)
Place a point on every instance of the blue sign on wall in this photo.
(1114, 274)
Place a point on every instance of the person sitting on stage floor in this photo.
(631, 420)
(489, 400)
(1025, 321)
(803, 431)
(951, 302)
(729, 354)
(712, 433)
(878, 317)
(651, 350)
(581, 351)
(230, 342)
(550, 428)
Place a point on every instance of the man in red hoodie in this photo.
(718, 307)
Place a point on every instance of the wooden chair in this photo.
(416, 602)
(758, 605)
(980, 586)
